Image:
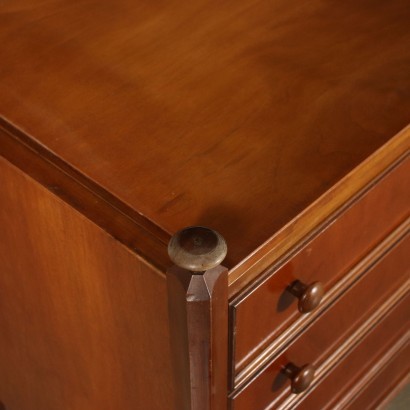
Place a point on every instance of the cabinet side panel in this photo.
(83, 321)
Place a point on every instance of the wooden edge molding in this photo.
(319, 212)
(134, 231)
(146, 239)
(198, 318)
(263, 359)
(398, 386)
(351, 342)
(375, 371)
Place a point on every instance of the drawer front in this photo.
(365, 364)
(388, 274)
(264, 312)
(392, 375)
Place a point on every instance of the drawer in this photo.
(385, 382)
(267, 309)
(387, 274)
(364, 367)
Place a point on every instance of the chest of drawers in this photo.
(204, 205)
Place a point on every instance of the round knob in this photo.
(197, 248)
(301, 377)
(309, 296)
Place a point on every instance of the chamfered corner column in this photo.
(198, 314)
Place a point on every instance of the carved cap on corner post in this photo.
(197, 249)
(198, 314)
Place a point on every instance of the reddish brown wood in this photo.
(86, 197)
(364, 376)
(198, 314)
(260, 119)
(333, 326)
(300, 377)
(396, 387)
(395, 373)
(260, 100)
(318, 212)
(83, 321)
(327, 257)
(309, 296)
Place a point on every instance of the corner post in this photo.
(198, 314)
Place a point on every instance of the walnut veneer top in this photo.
(236, 115)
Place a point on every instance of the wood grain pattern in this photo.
(318, 213)
(350, 384)
(261, 120)
(393, 374)
(331, 329)
(268, 100)
(80, 315)
(327, 257)
(331, 297)
(98, 205)
(198, 311)
(351, 342)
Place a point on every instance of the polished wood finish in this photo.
(83, 195)
(337, 357)
(392, 375)
(180, 84)
(309, 295)
(79, 313)
(340, 241)
(199, 337)
(301, 377)
(147, 240)
(286, 336)
(352, 380)
(347, 314)
(317, 213)
(284, 127)
(197, 249)
(198, 317)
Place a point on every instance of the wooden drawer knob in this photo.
(197, 248)
(309, 296)
(301, 377)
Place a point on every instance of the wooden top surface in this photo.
(236, 115)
